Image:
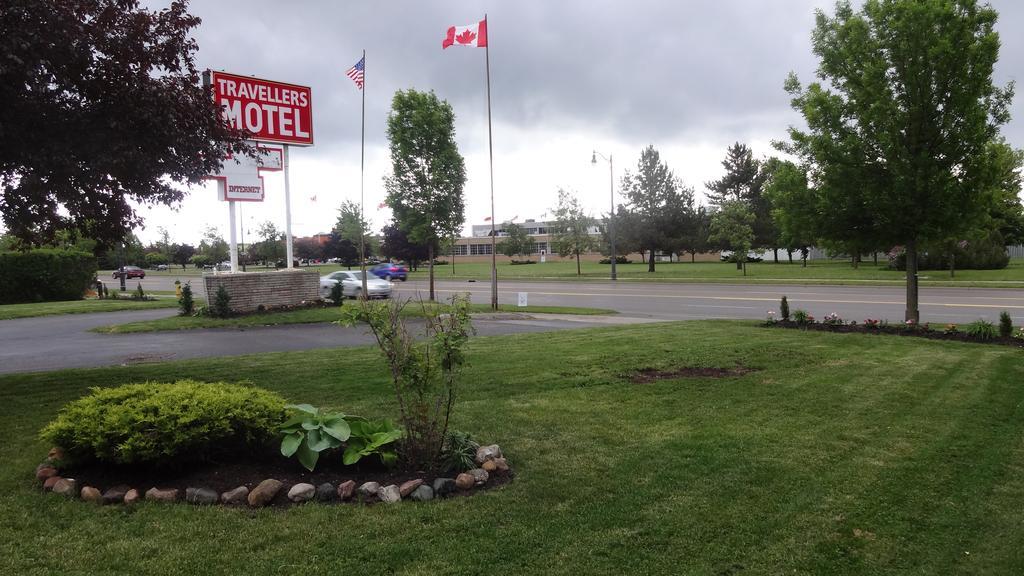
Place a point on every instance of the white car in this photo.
(352, 285)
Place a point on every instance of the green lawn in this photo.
(11, 311)
(841, 454)
(312, 316)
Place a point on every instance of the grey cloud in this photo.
(635, 72)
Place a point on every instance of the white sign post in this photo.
(239, 180)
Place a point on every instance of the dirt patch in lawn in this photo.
(224, 476)
(648, 375)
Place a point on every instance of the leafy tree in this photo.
(744, 180)
(182, 253)
(350, 225)
(396, 245)
(213, 246)
(428, 173)
(898, 127)
(733, 227)
(343, 249)
(649, 191)
(308, 249)
(154, 259)
(271, 248)
(571, 228)
(517, 243)
(102, 108)
(698, 238)
(627, 233)
(164, 244)
(795, 207)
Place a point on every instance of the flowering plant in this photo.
(950, 329)
(1019, 334)
(832, 319)
(872, 323)
(771, 318)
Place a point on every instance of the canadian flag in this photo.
(472, 35)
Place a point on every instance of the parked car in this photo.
(352, 285)
(390, 271)
(129, 272)
(161, 267)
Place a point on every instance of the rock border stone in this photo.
(489, 458)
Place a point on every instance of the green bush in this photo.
(1005, 324)
(187, 303)
(221, 303)
(45, 275)
(162, 424)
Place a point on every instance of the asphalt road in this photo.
(57, 342)
(668, 301)
(671, 301)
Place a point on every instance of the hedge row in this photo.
(45, 275)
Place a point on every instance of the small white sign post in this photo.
(239, 180)
(523, 296)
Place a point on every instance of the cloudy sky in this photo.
(689, 76)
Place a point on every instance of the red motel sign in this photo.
(270, 111)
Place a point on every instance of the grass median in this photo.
(90, 305)
(311, 316)
(831, 454)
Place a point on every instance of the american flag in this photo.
(356, 73)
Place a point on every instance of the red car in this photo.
(129, 272)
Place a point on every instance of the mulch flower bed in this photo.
(270, 480)
(942, 332)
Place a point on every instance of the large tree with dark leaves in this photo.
(101, 106)
(899, 125)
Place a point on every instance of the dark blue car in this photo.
(390, 271)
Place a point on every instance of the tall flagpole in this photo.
(362, 156)
(490, 151)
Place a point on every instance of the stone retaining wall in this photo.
(250, 290)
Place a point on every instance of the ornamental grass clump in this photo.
(161, 424)
(424, 371)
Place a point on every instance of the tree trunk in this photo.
(776, 251)
(912, 312)
(874, 256)
(789, 254)
(952, 264)
(856, 261)
(578, 273)
(650, 261)
(744, 267)
(430, 269)
(693, 257)
(643, 256)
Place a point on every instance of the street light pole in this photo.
(611, 215)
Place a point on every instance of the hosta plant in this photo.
(310, 431)
(371, 437)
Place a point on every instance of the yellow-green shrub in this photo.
(160, 423)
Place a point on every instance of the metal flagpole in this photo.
(287, 212)
(362, 156)
(490, 151)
